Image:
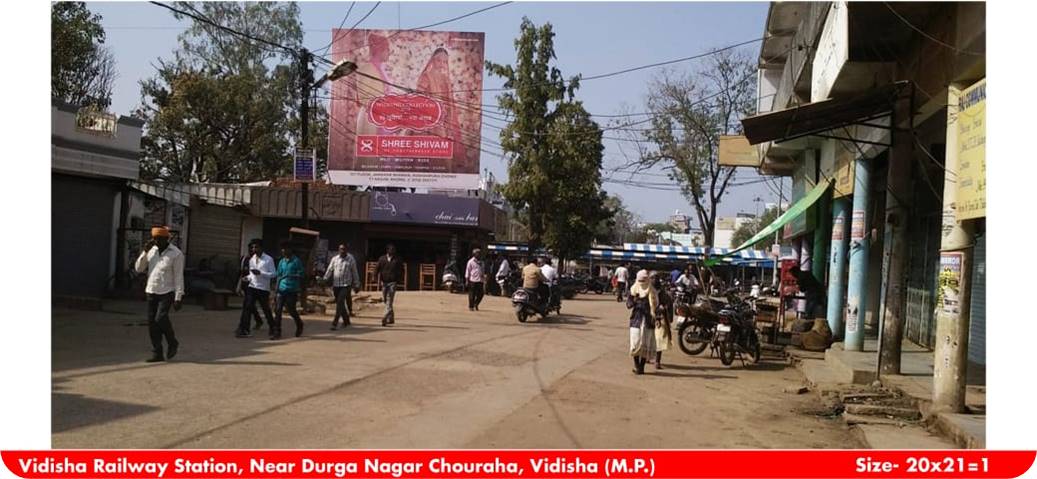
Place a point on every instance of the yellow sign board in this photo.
(736, 151)
(844, 166)
(972, 152)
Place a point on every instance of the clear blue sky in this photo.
(591, 38)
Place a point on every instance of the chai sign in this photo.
(400, 119)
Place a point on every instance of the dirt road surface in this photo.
(442, 377)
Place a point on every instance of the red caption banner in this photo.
(516, 463)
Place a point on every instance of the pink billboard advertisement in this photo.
(410, 116)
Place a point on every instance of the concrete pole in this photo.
(837, 266)
(895, 246)
(822, 232)
(857, 291)
(952, 320)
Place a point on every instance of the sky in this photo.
(590, 38)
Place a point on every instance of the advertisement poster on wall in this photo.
(410, 115)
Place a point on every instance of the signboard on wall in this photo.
(304, 165)
(972, 152)
(833, 50)
(736, 151)
(391, 207)
(844, 168)
(400, 119)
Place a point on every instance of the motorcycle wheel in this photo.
(755, 351)
(690, 340)
(520, 313)
(727, 353)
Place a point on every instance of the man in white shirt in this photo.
(260, 272)
(549, 272)
(164, 265)
(502, 274)
(473, 275)
(622, 275)
(345, 280)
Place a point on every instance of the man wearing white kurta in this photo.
(164, 265)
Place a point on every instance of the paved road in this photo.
(442, 377)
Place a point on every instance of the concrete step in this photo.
(909, 414)
(877, 436)
(968, 431)
(855, 419)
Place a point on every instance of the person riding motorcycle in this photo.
(550, 287)
(533, 280)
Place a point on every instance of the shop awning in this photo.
(821, 116)
(795, 210)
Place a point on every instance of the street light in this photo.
(340, 70)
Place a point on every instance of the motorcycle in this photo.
(451, 281)
(569, 286)
(597, 284)
(736, 331)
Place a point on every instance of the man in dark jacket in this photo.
(389, 272)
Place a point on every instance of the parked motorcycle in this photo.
(736, 331)
(452, 281)
(569, 286)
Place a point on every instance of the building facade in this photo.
(868, 100)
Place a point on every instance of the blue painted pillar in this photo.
(857, 291)
(837, 266)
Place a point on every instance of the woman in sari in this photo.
(643, 303)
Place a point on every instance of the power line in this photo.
(203, 19)
(930, 37)
(334, 37)
(599, 76)
(436, 24)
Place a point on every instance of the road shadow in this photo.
(564, 319)
(72, 411)
(668, 374)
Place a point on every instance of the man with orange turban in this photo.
(164, 265)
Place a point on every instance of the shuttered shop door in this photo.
(978, 309)
(215, 231)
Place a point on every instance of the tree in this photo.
(749, 229)
(620, 226)
(553, 147)
(689, 114)
(225, 108)
(82, 68)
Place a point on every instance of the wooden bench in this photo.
(216, 299)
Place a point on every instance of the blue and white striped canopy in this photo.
(651, 252)
(698, 251)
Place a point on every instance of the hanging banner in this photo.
(972, 152)
(401, 119)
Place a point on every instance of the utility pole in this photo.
(777, 236)
(952, 320)
(305, 87)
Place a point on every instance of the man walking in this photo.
(290, 275)
(389, 272)
(473, 275)
(260, 273)
(621, 282)
(164, 265)
(502, 275)
(345, 279)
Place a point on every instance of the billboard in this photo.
(972, 151)
(392, 207)
(410, 116)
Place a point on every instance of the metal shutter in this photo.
(978, 310)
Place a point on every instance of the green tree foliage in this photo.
(82, 69)
(690, 113)
(749, 229)
(225, 108)
(553, 146)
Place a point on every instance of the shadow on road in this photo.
(71, 411)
